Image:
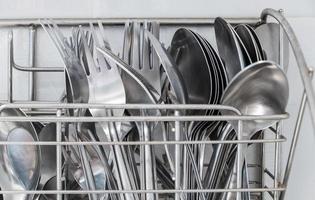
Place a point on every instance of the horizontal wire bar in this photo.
(281, 139)
(38, 69)
(122, 21)
(4, 102)
(140, 191)
(152, 106)
(49, 105)
(140, 118)
(39, 112)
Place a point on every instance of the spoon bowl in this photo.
(260, 89)
(19, 164)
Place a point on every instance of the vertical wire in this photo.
(32, 38)
(10, 58)
(276, 162)
(239, 159)
(59, 157)
(177, 157)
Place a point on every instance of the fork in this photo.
(96, 76)
(104, 77)
(132, 54)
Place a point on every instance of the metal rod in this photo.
(138, 118)
(126, 143)
(37, 69)
(177, 156)
(122, 21)
(32, 39)
(50, 105)
(295, 138)
(281, 47)
(39, 112)
(304, 70)
(10, 75)
(59, 118)
(276, 164)
(239, 160)
(263, 164)
(28, 102)
(138, 191)
(59, 156)
(270, 194)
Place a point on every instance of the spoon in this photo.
(19, 164)
(229, 47)
(260, 89)
(48, 161)
(49, 185)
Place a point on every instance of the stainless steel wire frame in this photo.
(279, 182)
(58, 119)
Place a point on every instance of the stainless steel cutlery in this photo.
(241, 79)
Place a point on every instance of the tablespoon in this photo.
(49, 185)
(48, 159)
(229, 47)
(19, 164)
(178, 85)
(249, 42)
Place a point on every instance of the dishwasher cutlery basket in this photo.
(273, 179)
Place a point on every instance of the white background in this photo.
(301, 15)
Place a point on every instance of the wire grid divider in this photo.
(58, 119)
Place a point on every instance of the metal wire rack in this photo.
(54, 112)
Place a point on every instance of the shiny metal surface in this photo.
(252, 92)
(249, 42)
(129, 107)
(192, 65)
(48, 158)
(224, 159)
(229, 47)
(258, 82)
(76, 81)
(172, 72)
(150, 61)
(19, 165)
(140, 57)
(269, 35)
(257, 41)
(49, 185)
(298, 53)
(105, 77)
(137, 84)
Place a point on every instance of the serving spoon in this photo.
(260, 89)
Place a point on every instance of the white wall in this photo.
(301, 15)
(150, 8)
